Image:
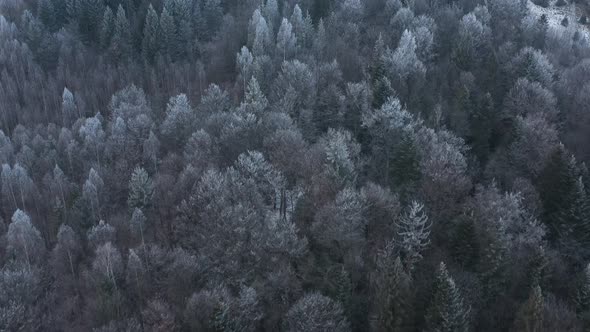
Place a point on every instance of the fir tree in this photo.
(392, 293)
(167, 34)
(107, 28)
(121, 41)
(150, 42)
(413, 234)
(530, 316)
(447, 312)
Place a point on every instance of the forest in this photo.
(294, 165)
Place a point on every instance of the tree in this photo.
(447, 312)
(530, 316)
(66, 253)
(413, 232)
(179, 118)
(141, 189)
(315, 313)
(93, 136)
(259, 34)
(137, 224)
(582, 295)
(168, 35)
(23, 240)
(121, 42)
(107, 264)
(557, 185)
(107, 28)
(92, 192)
(392, 292)
(244, 61)
(100, 234)
(69, 108)
(151, 41)
(286, 40)
(403, 66)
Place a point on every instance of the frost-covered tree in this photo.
(259, 34)
(93, 135)
(141, 189)
(66, 253)
(245, 60)
(150, 41)
(120, 47)
(92, 191)
(413, 234)
(137, 224)
(286, 39)
(315, 313)
(179, 118)
(100, 234)
(107, 28)
(107, 264)
(403, 67)
(23, 240)
(68, 107)
(342, 154)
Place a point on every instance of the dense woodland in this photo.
(294, 165)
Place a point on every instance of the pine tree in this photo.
(150, 42)
(141, 189)
(447, 312)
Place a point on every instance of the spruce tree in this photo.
(392, 293)
(530, 316)
(107, 27)
(121, 41)
(447, 312)
(557, 182)
(150, 42)
(167, 34)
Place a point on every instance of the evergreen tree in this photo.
(392, 293)
(47, 14)
(557, 186)
(150, 42)
(531, 314)
(167, 34)
(582, 296)
(121, 42)
(89, 15)
(413, 234)
(141, 189)
(447, 312)
(107, 28)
